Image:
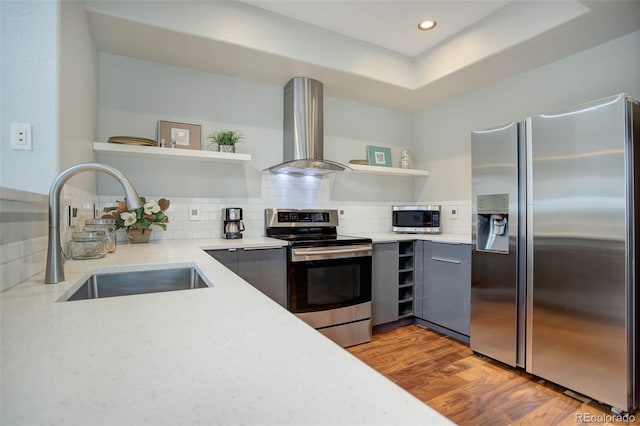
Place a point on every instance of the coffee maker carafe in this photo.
(233, 225)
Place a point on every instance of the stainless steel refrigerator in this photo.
(554, 258)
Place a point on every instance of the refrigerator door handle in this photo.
(529, 242)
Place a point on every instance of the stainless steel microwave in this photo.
(416, 219)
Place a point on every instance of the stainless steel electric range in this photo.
(328, 275)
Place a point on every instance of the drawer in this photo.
(448, 251)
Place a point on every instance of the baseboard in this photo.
(435, 327)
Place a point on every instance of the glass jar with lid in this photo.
(87, 245)
(107, 225)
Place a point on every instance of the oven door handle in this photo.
(326, 253)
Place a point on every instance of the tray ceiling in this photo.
(365, 50)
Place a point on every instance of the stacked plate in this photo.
(132, 140)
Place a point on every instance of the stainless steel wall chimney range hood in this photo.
(303, 130)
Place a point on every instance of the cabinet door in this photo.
(447, 286)
(228, 257)
(266, 270)
(384, 295)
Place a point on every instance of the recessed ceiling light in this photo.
(426, 25)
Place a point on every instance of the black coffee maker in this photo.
(233, 225)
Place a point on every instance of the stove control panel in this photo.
(307, 217)
(300, 218)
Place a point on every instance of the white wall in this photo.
(349, 128)
(240, 24)
(442, 132)
(29, 76)
(78, 92)
(135, 94)
(48, 79)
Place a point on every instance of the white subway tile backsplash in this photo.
(22, 259)
(17, 271)
(23, 249)
(5, 276)
(202, 233)
(12, 251)
(34, 264)
(209, 207)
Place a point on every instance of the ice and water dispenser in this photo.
(492, 223)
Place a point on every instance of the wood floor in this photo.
(470, 390)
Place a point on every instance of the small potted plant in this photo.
(138, 221)
(225, 139)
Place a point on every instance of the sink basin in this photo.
(138, 282)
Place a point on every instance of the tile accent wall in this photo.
(461, 224)
(24, 224)
(24, 218)
(23, 235)
(282, 191)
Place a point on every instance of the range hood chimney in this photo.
(303, 130)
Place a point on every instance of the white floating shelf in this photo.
(389, 171)
(157, 152)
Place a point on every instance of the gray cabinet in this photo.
(264, 268)
(418, 291)
(444, 299)
(384, 296)
(228, 258)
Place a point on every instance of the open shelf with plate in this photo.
(158, 152)
(388, 171)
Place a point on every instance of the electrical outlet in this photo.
(194, 212)
(453, 212)
(71, 212)
(20, 136)
(342, 212)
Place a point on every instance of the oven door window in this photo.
(329, 284)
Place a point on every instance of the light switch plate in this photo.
(21, 136)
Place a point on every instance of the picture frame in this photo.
(379, 156)
(185, 135)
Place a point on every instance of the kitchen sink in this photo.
(138, 282)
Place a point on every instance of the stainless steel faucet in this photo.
(55, 271)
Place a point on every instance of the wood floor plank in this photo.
(492, 393)
(431, 389)
(465, 407)
(472, 390)
(552, 412)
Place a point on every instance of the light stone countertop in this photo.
(225, 355)
(385, 237)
